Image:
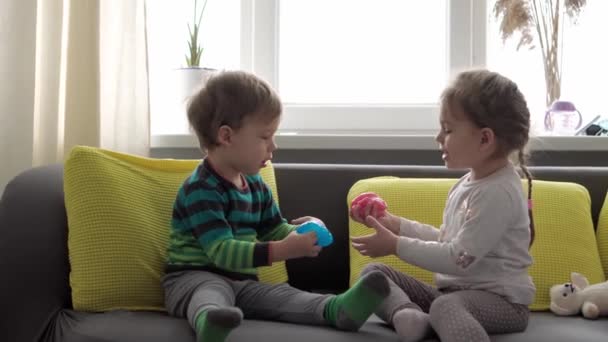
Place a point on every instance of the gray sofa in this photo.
(35, 303)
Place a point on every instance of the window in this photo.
(167, 46)
(381, 63)
(363, 66)
(364, 47)
(362, 52)
(584, 68)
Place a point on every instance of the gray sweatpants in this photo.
(189, 293)
(463, 315)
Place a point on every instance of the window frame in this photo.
(259, 54)
(379, 127)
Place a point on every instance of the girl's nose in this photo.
(438, 137)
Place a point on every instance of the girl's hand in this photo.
(367, 204)
(388, 220)
(382, 242)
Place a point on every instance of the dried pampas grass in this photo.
(544, 18)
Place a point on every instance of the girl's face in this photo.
(462, 143)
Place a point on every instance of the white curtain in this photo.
(74, 72)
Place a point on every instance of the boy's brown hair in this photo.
(494, 101)
(227, 99)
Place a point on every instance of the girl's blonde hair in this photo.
(494, 101)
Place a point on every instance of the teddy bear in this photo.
(578, 296)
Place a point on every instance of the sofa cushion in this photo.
(125, 326)
(565, 239)
(122, 326)
(602, 235)
(424, 202)
(119, 210)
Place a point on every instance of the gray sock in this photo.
(411, 324)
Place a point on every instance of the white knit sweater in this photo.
(483, 241)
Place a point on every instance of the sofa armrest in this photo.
(33, 253)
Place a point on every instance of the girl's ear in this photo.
(224, 135)
(487, 137)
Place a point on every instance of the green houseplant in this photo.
(190, 78)
(195, 50)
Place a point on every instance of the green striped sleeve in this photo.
(279, 232)
(272, 225)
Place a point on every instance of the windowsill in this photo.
(324, 141)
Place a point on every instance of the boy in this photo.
(226, 224)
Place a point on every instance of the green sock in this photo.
(215, 324)
(350, 310)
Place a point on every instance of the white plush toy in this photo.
(577, 296)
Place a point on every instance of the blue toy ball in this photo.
(324, 237)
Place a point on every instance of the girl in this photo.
(481, 253)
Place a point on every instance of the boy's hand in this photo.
(303, 219)
(295, 246)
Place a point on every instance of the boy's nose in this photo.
(273, 145)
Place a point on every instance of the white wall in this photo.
(17, 63)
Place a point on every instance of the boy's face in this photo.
(252, 145)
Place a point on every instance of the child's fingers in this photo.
(362, 196)
(364, 207)
(378, 207)
(374, 210)
(360, 248)
(368, 210)
(312, 237)
(301, 220)
(353, 214)
(357, 246)
(362, 239)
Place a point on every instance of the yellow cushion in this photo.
(119, 209)
(602, 235)
(565, 239)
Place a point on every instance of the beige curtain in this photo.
(74, 73)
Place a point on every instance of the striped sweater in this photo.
(219, 228)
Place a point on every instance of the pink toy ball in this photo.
(368, 203)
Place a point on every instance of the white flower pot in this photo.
(188, 81)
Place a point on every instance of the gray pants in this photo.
(189, 293)
(464, 315)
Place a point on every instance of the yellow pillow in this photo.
(119, 209)
(565, 239)
(602, 235)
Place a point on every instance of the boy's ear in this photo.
(224, 135)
